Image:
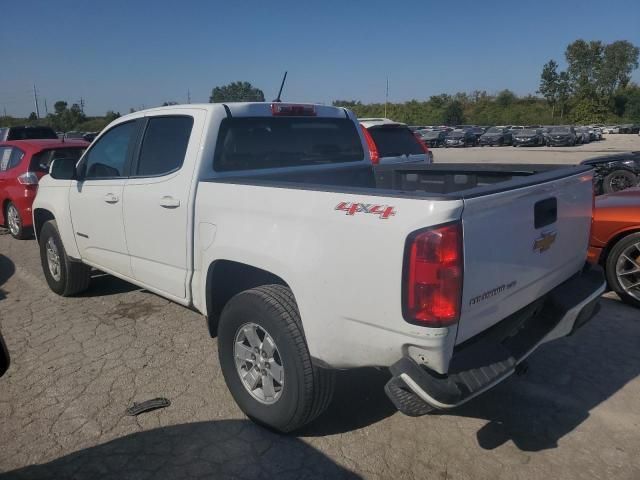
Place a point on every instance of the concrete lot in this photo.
(571, 155)
(78, 363)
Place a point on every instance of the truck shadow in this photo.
(7, 269)
(103, 284)
(221, 449)
(567, 379)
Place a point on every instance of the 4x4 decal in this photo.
(351, 208)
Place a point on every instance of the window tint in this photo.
(41, 161)
(395, 141)
(108, 156)
(247, 143)
(164, 145)
(10, 157)
(30, 133)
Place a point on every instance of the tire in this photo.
(629, 244)
(306, 390)
(70, 277)
(619, 180)
(15, 225)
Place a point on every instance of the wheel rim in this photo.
(258, 363)
(53, 259)
(13, 219)
(620, 182)
(628, 270)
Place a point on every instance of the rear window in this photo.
(250, 143)
(395, 141)
(31, 133)
(41, 161)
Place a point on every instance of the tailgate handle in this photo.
(545, 212)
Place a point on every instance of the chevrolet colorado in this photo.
(270, 220)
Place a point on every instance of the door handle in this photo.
(111, 198)
(169, 202)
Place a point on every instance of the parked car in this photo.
(393, 142)
(583, 134)
(612, 129)
(74, 135)
(26, 132)
(497, 136)
(90, 136)
(478, 132)
(615, 242)
(460, 138)
(22, 164)
(615, 172)
(528, 137)
(561, 136)
(629, 128)
(452, 261)
(433, 138)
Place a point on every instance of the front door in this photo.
(96, 200)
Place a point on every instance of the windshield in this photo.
(248, 143)
(559, 130)
(527, 131)
(31, 133)
(494, 130)
(456, 134)
(430, 135)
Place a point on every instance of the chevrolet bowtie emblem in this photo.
(544, 243)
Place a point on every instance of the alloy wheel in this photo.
(628, 270)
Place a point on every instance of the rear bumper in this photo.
(489, 358)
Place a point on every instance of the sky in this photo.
(118, 55)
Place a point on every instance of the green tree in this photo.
(619, 60)
(549, 80)
(236, 92)
(563, 93)
(453, 113)
(59, 107)
(33, 117)
(584, 64)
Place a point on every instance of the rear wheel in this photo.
(266, 362)
(619, 180)
(14, 222)
(64, 276)
(623, 269)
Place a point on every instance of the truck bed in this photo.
(443, 181)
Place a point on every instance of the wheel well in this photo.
(40, 217)
(5, 204)
(611, 243)
(226, 278)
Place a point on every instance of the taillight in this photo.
(28, 178)
(288, 110)
(371, 145)
(422, 143)
(432, 277)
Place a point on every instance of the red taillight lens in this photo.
(432, 283)
(424, 146)
(288, 110)
(371, 145)
(28, 178)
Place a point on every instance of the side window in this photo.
(10, 157)
(164, 145)
(108, 156)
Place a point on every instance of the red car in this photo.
(615, 242)
(22, 164)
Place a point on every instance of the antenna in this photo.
(281, 87)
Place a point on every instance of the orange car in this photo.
(615, 242)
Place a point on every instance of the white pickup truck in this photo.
(270, 220)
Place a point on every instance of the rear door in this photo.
(157, 207)
(397, 143)
(519, 245)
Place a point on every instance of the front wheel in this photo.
(64, 276)
(622, 268)
(266, 362)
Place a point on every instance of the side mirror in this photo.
(63, 169)
(4, 357)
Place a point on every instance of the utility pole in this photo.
(46, 110)
(81, 103)
(386, 98)
(188, 96)
(35, 101)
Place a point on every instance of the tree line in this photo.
(595, 87)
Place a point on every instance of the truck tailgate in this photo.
(520, 244)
